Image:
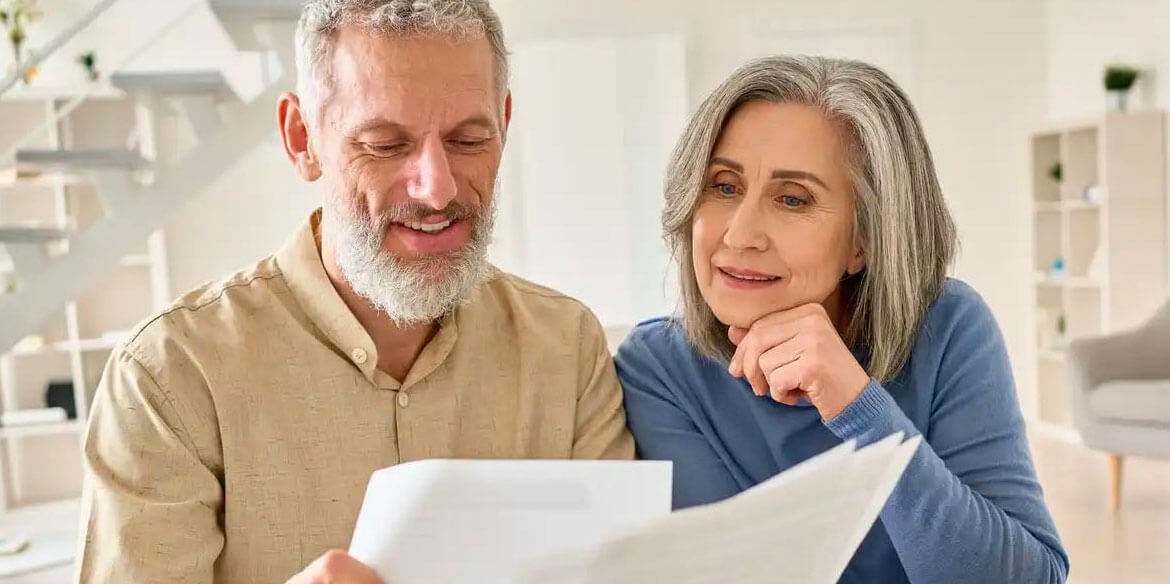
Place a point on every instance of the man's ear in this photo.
(507, 117)
(508, 111)
(294, 133)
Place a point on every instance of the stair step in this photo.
(31, 164)
(172, 84)
(240, 18)
(27, 235)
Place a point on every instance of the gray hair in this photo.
(901, 220)
(321, 19)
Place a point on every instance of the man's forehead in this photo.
(371, 56)
(407, 79)
(410, 110)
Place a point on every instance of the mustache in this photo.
(412, 211)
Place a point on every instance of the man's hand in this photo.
(336, 567)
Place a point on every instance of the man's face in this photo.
(409, 143)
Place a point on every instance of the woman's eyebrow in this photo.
(783, 174)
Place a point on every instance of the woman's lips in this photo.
(745, 279)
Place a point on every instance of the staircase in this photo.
(139, 191)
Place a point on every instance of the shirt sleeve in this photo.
(152, 499)
(664, 431)
(600, 431)
(969, 507)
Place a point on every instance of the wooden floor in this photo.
(1129, 547)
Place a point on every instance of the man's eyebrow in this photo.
(375, 124)
(477, 121)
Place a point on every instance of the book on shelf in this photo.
(34, 417)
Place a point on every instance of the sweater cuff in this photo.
(872, 412)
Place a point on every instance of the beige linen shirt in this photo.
(232, 437)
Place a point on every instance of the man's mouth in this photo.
(430, 228)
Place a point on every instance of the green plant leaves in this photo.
(1120, 77)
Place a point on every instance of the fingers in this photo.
(766, 333)
(784, 372)
(736, 334)
(785, 382)
(757, 378)
(336, 566)
(781, 355)
(759, 340)
(745, 364)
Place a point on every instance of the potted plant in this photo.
(88, 61)
(16, 16)
(1118, 81)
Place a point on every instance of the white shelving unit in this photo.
(40, 464)
(1104, 220)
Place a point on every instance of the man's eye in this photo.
(386, 148)
(470, 143)
(793, 202)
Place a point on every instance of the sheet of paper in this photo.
(453, 522)
(799, 528)
(463, 522)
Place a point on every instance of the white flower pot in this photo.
(1117, 100)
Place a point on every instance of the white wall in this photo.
(974, 68)
(581, 189)
(1084, 36)
(247, 214)
(137, 35)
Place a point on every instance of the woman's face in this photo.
(774, 225)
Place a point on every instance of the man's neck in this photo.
(398, 347)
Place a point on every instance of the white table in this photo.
(52, 531)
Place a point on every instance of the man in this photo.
(233, 436)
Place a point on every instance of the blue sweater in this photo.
(968, 508)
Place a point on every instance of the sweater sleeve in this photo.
(663, 430)
(969, 507)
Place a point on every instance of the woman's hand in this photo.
(798, 353)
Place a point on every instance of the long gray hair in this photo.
(902, 224)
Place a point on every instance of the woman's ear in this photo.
(857, 261)
(294, 133)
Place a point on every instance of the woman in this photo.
(813, 242)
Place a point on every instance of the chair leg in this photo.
(1115, 482)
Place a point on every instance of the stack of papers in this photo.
(597, 522)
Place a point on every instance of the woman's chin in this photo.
(738, 316)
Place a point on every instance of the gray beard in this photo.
(410, 292)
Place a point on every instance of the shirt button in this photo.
(359, 356)
(403, 399)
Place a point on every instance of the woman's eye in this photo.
(725, 189)
(792, 202)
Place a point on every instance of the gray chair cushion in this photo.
(1146, 401)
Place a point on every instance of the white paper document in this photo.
(598, 522)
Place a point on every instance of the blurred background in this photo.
(140, 159)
